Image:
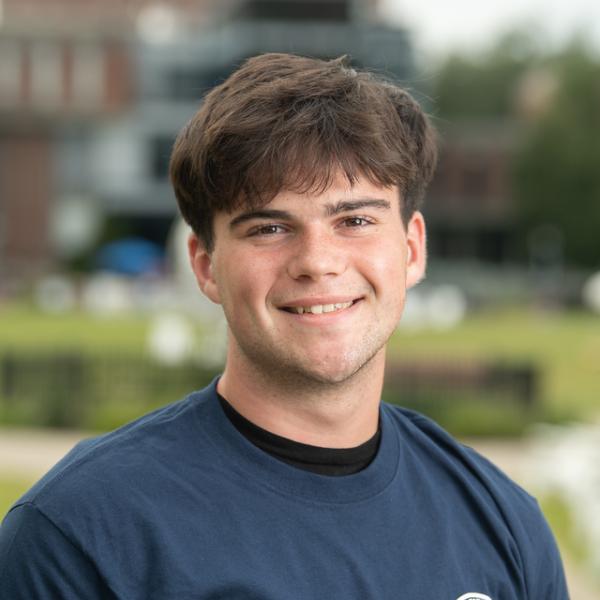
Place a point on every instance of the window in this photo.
(88, 76)
(160, 154)
(46, 75)
(11, 66)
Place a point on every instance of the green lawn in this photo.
(564, 346)
(11, 489)
(559, 517)
(23, 327)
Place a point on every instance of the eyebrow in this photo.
(350, 205)
(330, 210)
(267, 213)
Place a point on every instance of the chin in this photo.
(333, 372)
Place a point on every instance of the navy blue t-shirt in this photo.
(179, 505)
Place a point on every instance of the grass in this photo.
(11, 489)
(560, 519)
(564, 346)
(23, 327)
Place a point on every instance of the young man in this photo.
(287, 477)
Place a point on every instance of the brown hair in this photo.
(288, 122)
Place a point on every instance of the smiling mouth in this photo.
(319, 309)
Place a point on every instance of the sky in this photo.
(439, 25)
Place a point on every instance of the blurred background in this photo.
(100, 320)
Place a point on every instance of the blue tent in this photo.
(130, 256)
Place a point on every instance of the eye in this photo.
(268, 229)
(356, 222)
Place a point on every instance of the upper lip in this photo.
(319, 300)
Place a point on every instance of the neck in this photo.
(331, 415)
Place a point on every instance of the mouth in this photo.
(319, 309)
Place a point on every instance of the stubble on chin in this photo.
(287, 371)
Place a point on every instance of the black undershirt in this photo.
(324, 461)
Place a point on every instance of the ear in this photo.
(201, 263)
(416, 249)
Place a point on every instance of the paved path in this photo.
(29, 453)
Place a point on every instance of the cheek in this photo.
(385, 267)
(244, 281)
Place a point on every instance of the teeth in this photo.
(320, 308)
(342, 305)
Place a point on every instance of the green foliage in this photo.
(77, 370)
(89, 391)
(482, 86)
(470, 413)
(564, 347)
(557, 173)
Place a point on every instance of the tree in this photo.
(557, 167)
(483, 86)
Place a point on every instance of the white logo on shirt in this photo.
(474, 596)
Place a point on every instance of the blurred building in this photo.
(93, 93)
(469, 209)
(174, 74)
(60, 79)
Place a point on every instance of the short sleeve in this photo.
(38, 561)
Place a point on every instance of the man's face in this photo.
(313, 286)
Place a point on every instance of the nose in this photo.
(317, 254)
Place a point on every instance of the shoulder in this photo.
(137, 485)
(443, 454)
(463, 475)
(113, 469)
(425, 438)
(34, 552)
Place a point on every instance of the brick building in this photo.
(56, 74)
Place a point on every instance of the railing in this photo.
(101, 391)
